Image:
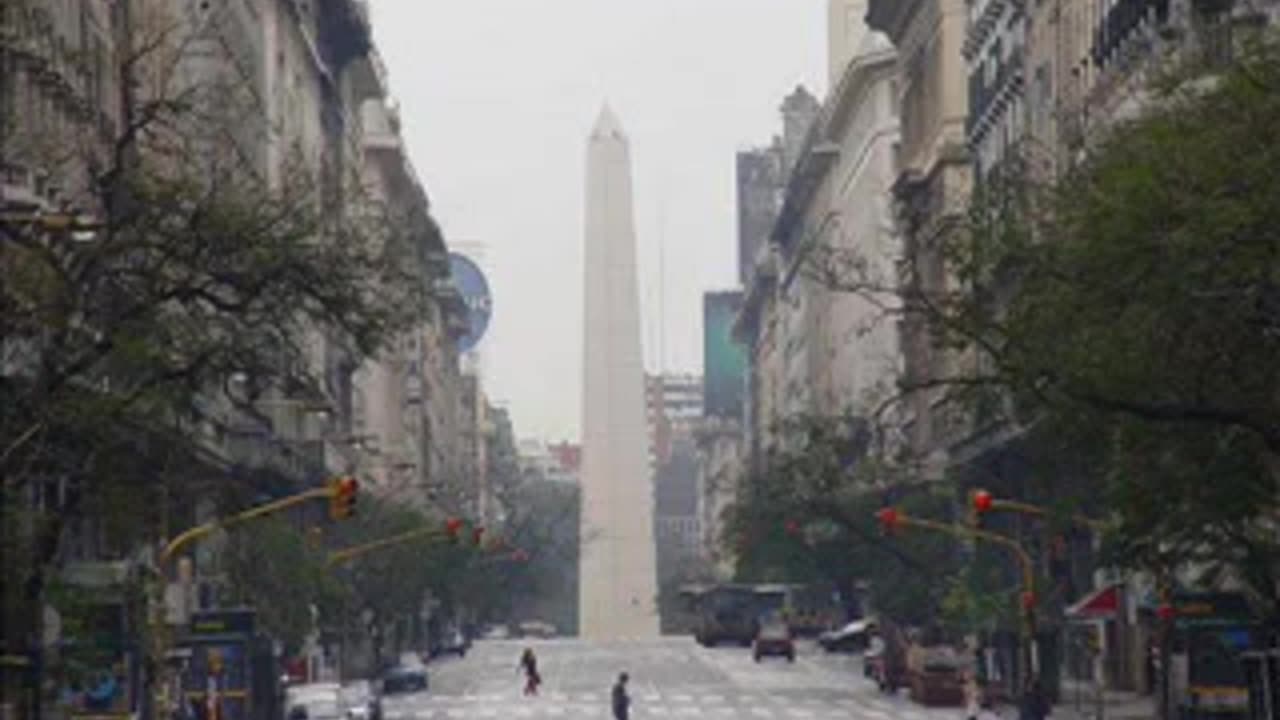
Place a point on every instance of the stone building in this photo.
(772, 339)
(293, 95)
(673, 407)
(816, 348)
(932, 185)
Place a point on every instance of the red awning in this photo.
(1098, 605)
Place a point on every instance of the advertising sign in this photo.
(724, 359)
(217, 679)
(474, 288)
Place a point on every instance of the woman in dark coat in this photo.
(529, 663)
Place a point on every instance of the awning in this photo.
(1102, 604)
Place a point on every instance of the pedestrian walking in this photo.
(972, 696)
(621, 700)
(529, 664)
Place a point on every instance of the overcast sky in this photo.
(497, 98)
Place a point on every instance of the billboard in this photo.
(474, 288)
(724, 360)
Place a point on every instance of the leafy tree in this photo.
(283, 574)
(179, 265)
(808, 514)
(1131, 308)
(542, 523)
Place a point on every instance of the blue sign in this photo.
(475, 293)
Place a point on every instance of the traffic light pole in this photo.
(984, 502)
(191, 535)
(341, 556)
(451, 531)
(159, 627)
(1027, 567)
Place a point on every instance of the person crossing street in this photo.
(621, 700)
(529, 664)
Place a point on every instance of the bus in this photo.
(732, 612)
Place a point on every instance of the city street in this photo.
(669, 678)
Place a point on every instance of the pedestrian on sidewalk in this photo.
(1034, 704)
(529, 664)
(621, 700)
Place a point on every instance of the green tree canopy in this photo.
(1131, 309)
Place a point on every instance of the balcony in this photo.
(380, 124)
(987, 101)
(1125, 21)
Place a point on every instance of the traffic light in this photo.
(452, 527)
(980, 502)
(477, 536)
(342, 497)
(889, 520)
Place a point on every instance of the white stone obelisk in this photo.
(618, 578)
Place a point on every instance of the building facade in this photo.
(293, 95)
(817, 347)
(673, 407)
(931, 187)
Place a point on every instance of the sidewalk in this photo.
(1115, 705)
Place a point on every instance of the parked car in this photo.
(853, 637)
(405, 679)
(315, 708)
(311, 700)
(774, 639)
(936, 675)
(360, 698)
(537, 629)
(453, 642)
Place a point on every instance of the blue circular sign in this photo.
(475, 293)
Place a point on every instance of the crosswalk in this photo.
(670, 679)
(657, 705)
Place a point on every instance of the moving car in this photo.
(774, 639)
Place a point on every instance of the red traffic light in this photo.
(1028, 600)
(453, 526)
(982, 501)
(889, 519)
(1166, 612)
(342, 497)
(477, 535)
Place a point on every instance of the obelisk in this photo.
(618, 572)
